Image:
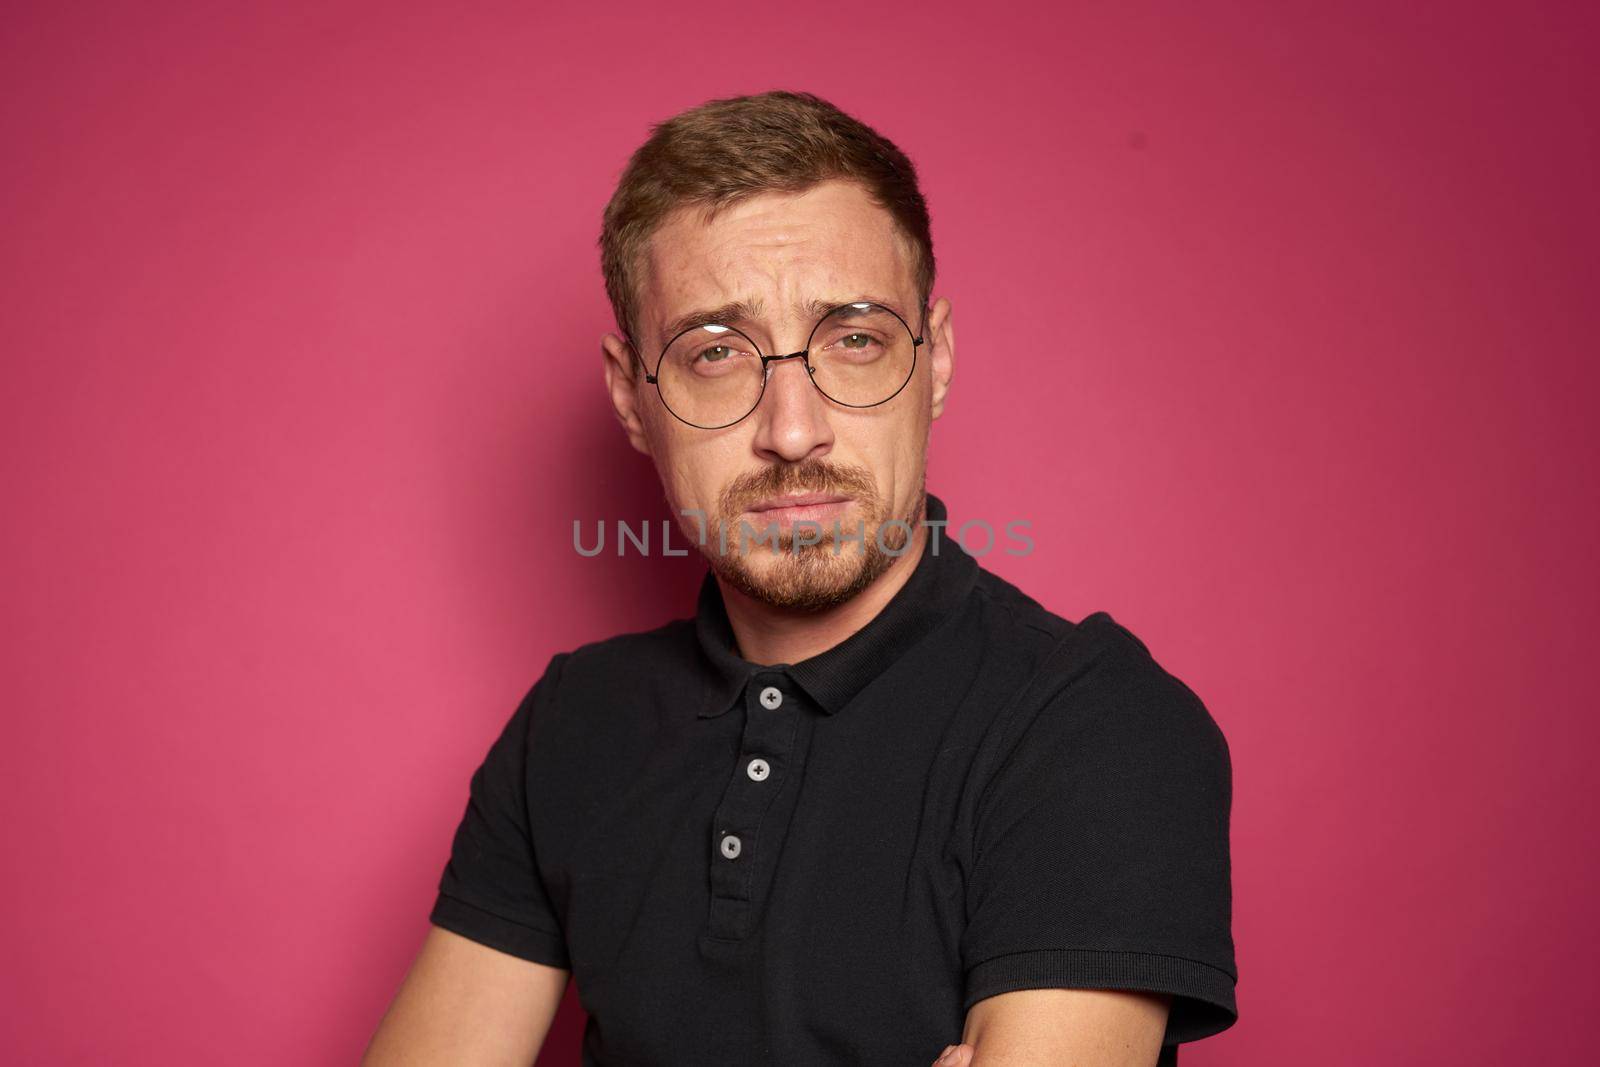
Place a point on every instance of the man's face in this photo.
(784, 252)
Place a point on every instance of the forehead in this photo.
(784, 250)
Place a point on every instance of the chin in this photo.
(814, 580)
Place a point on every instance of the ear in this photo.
(627, 387)
(941, 341)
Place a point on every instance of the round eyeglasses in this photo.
(859, 354)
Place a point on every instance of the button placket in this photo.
(772, 720)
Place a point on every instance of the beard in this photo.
(812, 577)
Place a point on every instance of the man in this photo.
(870, 801)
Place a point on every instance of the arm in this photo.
(1093, 1027)
(1099, 900)
(492, 970)
(466, 1004)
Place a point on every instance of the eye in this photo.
(715, 353)
(856, 343)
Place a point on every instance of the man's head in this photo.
(785, 203)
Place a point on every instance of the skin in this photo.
(463, 1003)
(468, 1004)
(829, 242)
(1062, 1027)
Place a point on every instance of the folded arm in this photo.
(467, 1005)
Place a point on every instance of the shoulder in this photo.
(1096, 663)
(1095, 667)
(1012, 609)
(1120, 719)
(609, 661)
(1109, 673)
(1100, 705)
(582, 684)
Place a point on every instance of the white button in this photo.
(771, 698)
(730, 846)
(758, 770)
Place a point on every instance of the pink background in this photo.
(1276, 320)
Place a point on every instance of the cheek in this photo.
(905, 448)
(694, 471)
(901, 424)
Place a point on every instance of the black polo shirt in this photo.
(831, 861)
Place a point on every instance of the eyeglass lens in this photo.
(860, 355)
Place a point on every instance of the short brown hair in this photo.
(727, 150)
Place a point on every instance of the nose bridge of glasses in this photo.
(803, 355)
(770, 364)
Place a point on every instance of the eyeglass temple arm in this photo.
(649, 378)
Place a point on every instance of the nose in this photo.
(792, 418)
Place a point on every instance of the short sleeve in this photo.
(491, 889)
(1100, 844)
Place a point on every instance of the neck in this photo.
(768, 634)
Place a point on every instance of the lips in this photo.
(798, 500)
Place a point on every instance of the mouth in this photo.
(799, 507)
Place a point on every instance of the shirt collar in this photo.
(832, 678)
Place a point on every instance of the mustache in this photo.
(806, 476)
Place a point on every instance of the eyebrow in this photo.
(745, 312)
